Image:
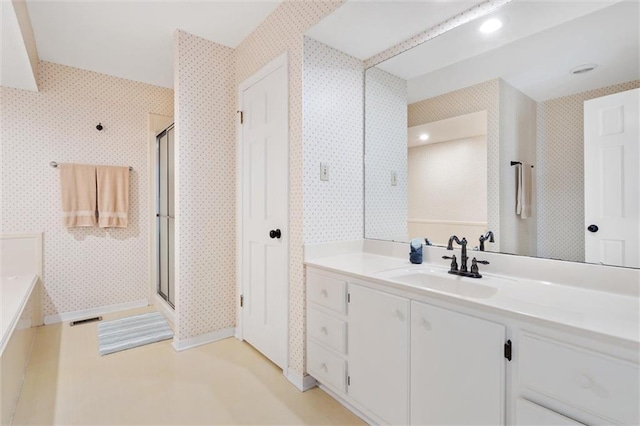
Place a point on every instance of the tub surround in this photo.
(571, 336)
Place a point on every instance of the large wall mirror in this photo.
(523, 122)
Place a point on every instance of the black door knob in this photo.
(592, 228)
(275, 233)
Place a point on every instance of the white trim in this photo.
(300, 381)
(275, 64)
(447, 222)
(368, 420)
(161, 305)
(203, 339)
(76, 315)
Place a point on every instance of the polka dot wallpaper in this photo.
(560, 172)
(385, 153)
(84, 268)
(332, 111)
(205, 186)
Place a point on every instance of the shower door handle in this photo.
(164, 215)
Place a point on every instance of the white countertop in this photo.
(568, 307)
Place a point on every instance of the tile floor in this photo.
(226, 382)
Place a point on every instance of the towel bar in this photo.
(55, 165)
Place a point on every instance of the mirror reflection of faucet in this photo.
(485, 237)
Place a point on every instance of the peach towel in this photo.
(113, 196)
(78, 185)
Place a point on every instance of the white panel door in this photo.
(457, 368)
(265, 206)
(378, 346)
(612, 179)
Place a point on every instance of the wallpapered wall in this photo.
(517, 143)
(560, 172)
(385, 153)
(332, 132)
(281, 32)
(84, 268)
(205, 159)
(481, 97)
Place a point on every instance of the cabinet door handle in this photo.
(425, 324)
(398, 314)
(323, 366)
(324, 293)
(324, 331)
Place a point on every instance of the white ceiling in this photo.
(134, 39)
(534, 51)
(364, 28)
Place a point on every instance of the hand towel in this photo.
(523, 190)
(113, 196)
(78, 188)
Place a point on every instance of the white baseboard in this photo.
(77, 315)
(181, 345)
(302, 382)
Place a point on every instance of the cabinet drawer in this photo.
(326, 367)
(530, 414)
(596, 383)
(328, 330)
(327, 292)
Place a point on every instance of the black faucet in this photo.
(474, 273)
(485, 237)
(463, 255)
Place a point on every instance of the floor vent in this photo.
(84, 321)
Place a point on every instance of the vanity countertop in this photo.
(612, 316)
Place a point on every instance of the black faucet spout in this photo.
(485, 237)
(463, 255)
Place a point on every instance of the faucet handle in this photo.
(484, 262)
(454, 262)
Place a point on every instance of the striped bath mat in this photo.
(131, 332)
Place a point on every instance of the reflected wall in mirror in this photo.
(554, 89)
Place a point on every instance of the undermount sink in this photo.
(439, 280)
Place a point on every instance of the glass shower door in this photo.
(165, 215)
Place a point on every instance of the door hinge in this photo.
(241, 117)
(348, 380)
(241, 300)
(507, 350)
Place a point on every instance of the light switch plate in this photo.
(394, 178)
(324, 171)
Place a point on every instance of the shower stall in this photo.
(165, 214)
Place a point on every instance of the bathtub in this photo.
(20, 303)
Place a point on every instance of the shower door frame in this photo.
(158, 240)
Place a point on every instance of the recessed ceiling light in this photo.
(584, 68)
(490, 25)
(424, 137)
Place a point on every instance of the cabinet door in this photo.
(457, 368)
(378, 347)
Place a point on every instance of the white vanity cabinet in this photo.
(457, 368)
(379, 353)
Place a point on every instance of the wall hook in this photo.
(99, 127)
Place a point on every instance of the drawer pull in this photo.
(585, 382)
(324, 293)
(323, 366)
(324, 331)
